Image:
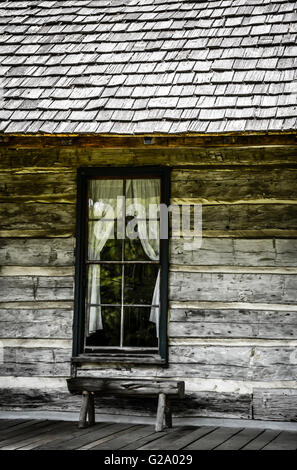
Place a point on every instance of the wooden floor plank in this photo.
(239, 440)
(286, 440)
(260, 441)
(190, 437)
(31, 432)
(27, 434)
(9, 423)
(20, 428)
(144, 440)
(60, 430)
(26, 438)
(145, 432)
(132, 435)
(92, 436)
(60, 442)
(107, 442)
(213, 439)
(164, 442)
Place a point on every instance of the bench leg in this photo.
(91, 410)
(84, 410)
(160, 412)
(168, 414)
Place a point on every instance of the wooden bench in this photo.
(89, 387)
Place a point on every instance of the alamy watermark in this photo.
(149, 221)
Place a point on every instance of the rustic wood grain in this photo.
(159, 140)
(234, 217)
(227, 329)
(241, 362)
(37, 252)
(232, 287)
(240, 439)
(286, 440)
(29, 220)
(223, 186)
(124, 387)
(62, 158)
(235, 252)
(261, 440)
(213, 439)
(45, 188)
(30, 288)
(31, 323)
(275, 404)
(35, 361)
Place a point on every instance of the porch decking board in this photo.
(213, 439)
(188, 438)
(163, 442)
(284, 441)
(64, 435)
(20, 428)
(134, 436)
(89, 437)
(45, 437)
(107, 443)
(10, 423)
(60, 441)
(145, 440)
(262, 440)
(32, 430)
(32, 436)
(237, 441)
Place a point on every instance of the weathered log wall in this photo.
(233, 312)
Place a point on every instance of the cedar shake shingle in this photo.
(128, 66)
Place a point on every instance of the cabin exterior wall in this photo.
(233, 303)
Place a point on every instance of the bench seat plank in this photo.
(116, 387)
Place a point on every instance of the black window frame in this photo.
(83, 175)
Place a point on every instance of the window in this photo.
(121, 263)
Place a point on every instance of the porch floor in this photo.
(26, 434)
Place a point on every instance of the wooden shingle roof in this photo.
(143, 66)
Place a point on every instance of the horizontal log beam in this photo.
(234, 185)
(36, 271)
(232, 329)
(158, 141)
(236, 287)
(31, 288)
(216, 201)
(37, 252)
(35, 342)
(115, 387)
(116, 358)
(41, 304)
(236, 252)
(232, 269)
(217, 305)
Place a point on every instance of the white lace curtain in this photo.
(103, 204)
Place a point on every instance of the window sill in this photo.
(118, 358)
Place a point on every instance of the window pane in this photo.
(104, 284)
(141, 284)
(101, 246)
(141, 250)
(139, 331)
(109, 334)
(103, 198)
(140, 194)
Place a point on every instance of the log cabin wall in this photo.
(233, 309)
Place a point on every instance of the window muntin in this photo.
(122, 301)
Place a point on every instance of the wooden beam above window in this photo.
(141, 141)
